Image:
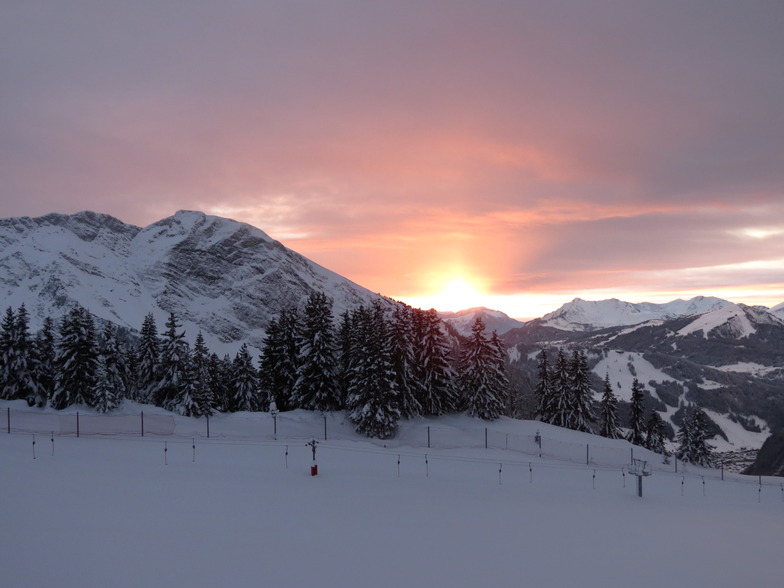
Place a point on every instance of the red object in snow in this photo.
(314, 470)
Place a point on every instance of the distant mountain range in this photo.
(228, 280)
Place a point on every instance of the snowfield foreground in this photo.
(243, 510)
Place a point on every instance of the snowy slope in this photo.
(735, 320)
(778, 310)
(583, 315)
(240, 512)
(222, 277)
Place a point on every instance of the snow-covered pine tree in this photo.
(148, 360)
(692, 438)
(544, 388)
(199, 379)
(220, 377)
(636, 434)
(561, 382)
(75, 361)
(317, 386)
(477, 373)
(8, 385)
(44, 362)
(17, 376)
(372, 400)
(433, 370)
(498, 375)
(105, 396)
(608, 409)
(174, 357)
(581, 413)
(114, 367)
(244, 382)
(404, 361)
(278, 363)
(655, 434)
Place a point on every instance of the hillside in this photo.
(243, 510)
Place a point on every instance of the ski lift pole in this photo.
(314, 465)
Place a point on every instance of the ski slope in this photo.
(241, 508)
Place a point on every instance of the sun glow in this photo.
(457, 294)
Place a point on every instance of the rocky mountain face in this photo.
(225, 278)
(728, 359)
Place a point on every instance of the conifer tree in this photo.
(404, 361)
(692, 438)
(113, 366)
(479, 386)
(581, 413)
(44, 362)
(372, 400)
(608, 410)
(245, 385)
(174, 357)
(544, 388)
(8, 384)
(317, 387)
(105, 396)
(148, 360)
(636, 434)
(76, 361)
(498, 375)
(561, 382)
(433, 370)
(220, 378)
(200, 401)
(279, 359)
(655, 434)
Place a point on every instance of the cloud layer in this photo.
(546, 148)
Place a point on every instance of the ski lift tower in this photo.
(640, 469)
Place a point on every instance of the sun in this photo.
(456, 294)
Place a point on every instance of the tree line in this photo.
(564, 398)
(379, 363)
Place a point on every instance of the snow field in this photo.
(120, 511)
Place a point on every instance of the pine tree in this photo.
(404, 361)
(498, 374)
(245, 385)
(113, 365)
(655, 434)
(174, 357)
(317, 386)
(544, 389)
(478, 385)
(692, 438)
(220, 378)
(199, 391)
(148, 358)
(562, 403)
(608, 409)
(76, 361)
(105, 396)
(433, 370)
(8, 385)
(581, 413)
(636, 434)
(372, 400)
(44, 362)
(278, 363)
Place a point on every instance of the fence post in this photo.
(9, 419)
(325, 427)
(587, 454)
(77, 424)
(428, 436)
(208, 426)
(485, 437)
(142, 415)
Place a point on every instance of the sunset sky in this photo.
(516, 154)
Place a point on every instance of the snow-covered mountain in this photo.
(494, 320)
(584, 315)
(225, 278)
(778, 310)
(734, 320)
